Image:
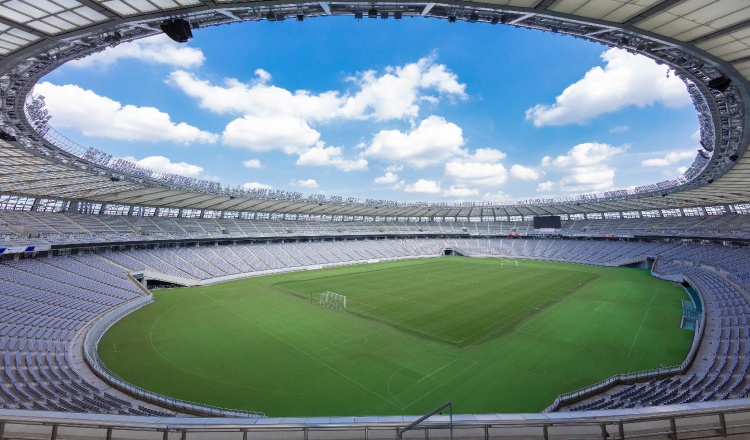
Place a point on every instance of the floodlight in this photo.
(372, 13)
(397, 15)
(114, 38)
(358, 15)
(473, 18)
(504, 19)
(452, 19)
(271, 16)
(495, 20)
(177, 29)
(384, 15)
(300, 17)
(280, 16)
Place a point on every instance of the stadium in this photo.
(137, 304)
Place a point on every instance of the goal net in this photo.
(508, 263)
(332, 300)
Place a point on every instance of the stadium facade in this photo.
(60, 198)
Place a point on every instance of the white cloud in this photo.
(389, 177)
(252, 163)
(619, 129)
(256, 185)
(671, 158)
(681, 170)
(585, 168)
(94, 115)
(276, 118)
(161, 164)
(211, 178)
(521, 172)
(423, 186)
(434, 141)
(457, 191)
(546, 186)
(496, 197)
(398, 186)
(157, 49)
(396, 94)
(309, 183)
(476, 174)
(394, 168)
(626, 80)
(257, 98)
(320, 155)
(488, 155)
(260, 134)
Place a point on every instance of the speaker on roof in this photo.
(721, 83)
(177, 29)
(734, 157)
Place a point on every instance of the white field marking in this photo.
(642, 321)
(379, 292)
(572, 343)
(331, 368)
(417, 316)
(212, 378)
(421, 332)
(514, 320)
(429, 392)
(393, 332)
(552, 307)
(390, 378)
(420, 380)
(301, 351)
(331, 347)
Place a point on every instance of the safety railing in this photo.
(699, 422)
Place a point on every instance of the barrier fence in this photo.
(692, 423)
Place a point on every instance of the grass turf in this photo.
(529, 334)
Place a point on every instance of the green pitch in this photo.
(415, 334)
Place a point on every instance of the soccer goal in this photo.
(332, 300)
(508, 263)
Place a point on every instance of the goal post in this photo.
(509, 263)
(332, 300)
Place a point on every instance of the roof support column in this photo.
(131, 209)
(104, 208)
(203, 211)
(35, 205)
(156, 212)
(179, 213)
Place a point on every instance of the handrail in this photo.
(714, 422)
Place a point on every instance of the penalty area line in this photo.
(454, 360)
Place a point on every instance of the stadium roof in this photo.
(706, 42)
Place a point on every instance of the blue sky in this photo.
(416, 109)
